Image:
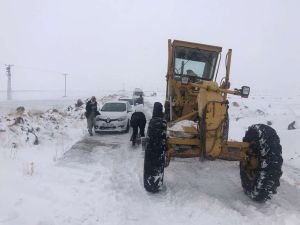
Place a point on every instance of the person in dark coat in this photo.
(139, 100)
(91, 112)
(138, 121)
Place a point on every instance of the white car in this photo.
(114, 116)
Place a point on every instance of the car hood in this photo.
(111, 115)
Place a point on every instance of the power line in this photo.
(8, 70)
(38, 69)
(35, 68)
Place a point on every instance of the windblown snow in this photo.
(52, 172)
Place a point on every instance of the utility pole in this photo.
(65, 74)
(8, 71)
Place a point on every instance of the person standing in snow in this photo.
(91, 112)
(138, 121)
(140, 100)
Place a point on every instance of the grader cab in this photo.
(198, 105)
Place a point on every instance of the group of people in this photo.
(137, 121)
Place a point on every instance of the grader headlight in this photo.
(184, 80)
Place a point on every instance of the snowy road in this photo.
(108, 189)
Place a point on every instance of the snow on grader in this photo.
(198, 105)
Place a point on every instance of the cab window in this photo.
(195, 63)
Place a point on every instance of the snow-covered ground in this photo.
(71, 178)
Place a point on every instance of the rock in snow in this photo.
(291, 126)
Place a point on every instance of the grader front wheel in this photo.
(261, 172)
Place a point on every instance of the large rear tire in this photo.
(261, 181)
(157, 110)
(155, 148)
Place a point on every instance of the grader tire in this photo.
(155, 148)
(261, 182)
(226, 128)
(157, 110)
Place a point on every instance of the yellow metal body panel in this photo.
(234, 150)
(190, 153)
(183, 141)
(197, 45)
(191, 130)
(230, 150)
(214, 119)
(203, 101)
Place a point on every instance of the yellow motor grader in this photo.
(195, 99)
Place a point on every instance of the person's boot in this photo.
(91, 133)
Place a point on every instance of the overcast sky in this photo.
(114, 44)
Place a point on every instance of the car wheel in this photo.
(127, 127)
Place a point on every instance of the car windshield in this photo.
(127, 99)
(195, 62)
(114, 107)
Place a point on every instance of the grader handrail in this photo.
(216, 89)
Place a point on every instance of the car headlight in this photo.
(122, 118)
(97, 118)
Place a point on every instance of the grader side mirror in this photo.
(245, 91)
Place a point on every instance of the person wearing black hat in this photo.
(138, 121)
(91, 112)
